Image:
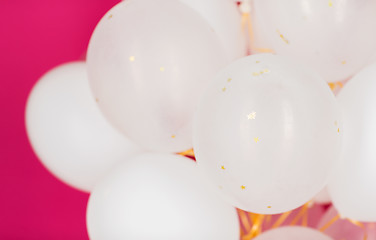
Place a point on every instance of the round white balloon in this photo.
(332, 36)
(148, 76)
(293, 233)
(67, 130)
(352, 186)
(225, 19)
(158, 196)
(266, 132)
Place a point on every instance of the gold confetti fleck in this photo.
(256, 74)
(162, 69)
(251, 116)
(257, 61)
(220, 187)
(269, 206)
(223, 167)
(173, 136)
(266, 70)
(132, 58)
(343, 62)
(229, 80)
(97, 99)
(110, 16)
(256, 139)
(335, 123)
(242, 187)
(330, 3)
(282, 37)
(224, 89)
(338, 130)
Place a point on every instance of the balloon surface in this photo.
(343, 229)
(352, 185)
(225, 19)
(68, 132)
(332, 36)
(158, 196)
(267, 133)
(293, 233)
(148, 76)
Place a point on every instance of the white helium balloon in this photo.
(352, 185)
(266, 132)
(148, 76)
(68, 132)
(332, 36)
(293, 233)
(225, 19)
(158, 196)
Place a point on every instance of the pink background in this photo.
(36, 35)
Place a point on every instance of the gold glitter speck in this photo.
(223, 167)
(256, 74)
(223, 89)
(162, 69)
(257, 61)
(269, 206)
(282, 37)
(173, 136)
(251, 116)
(256, 139)
(229, 80)
(242, 187)
(132, 58)
(343, 62)
(97, 99)
(110, 16)
(338, 130)
(330, 3)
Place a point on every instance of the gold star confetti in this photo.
(330, 3)
(173, 136)
(223, 167)
(251, 116)
(242, 187)
(132, 58)
(229, 80)
(110, 16)
(343, 62)
(223, 89)
(256, 139)
(282, 37)
(162, 69)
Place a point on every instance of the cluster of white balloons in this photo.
(266, 129)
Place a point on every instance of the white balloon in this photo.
(266, 133)
(352, 185)
(158, 196)
(225, 19)
(67, 130)
(332, 36)
(293, 233)
(148, 76)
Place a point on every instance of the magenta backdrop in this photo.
(36, 35)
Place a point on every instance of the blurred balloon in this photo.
(266, 133)
(158, 196)
(332, 36)
(323, 197)
(352, 186)
(293, 233)
(148, 76)
(68, 132)
(343, 229)
(225, 19)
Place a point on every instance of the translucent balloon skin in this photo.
(332, 36)
(68, 132)
(293, 233)
(266, 133)
(352, 185)
(158, 196)
(148, 76)
(225, 19)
